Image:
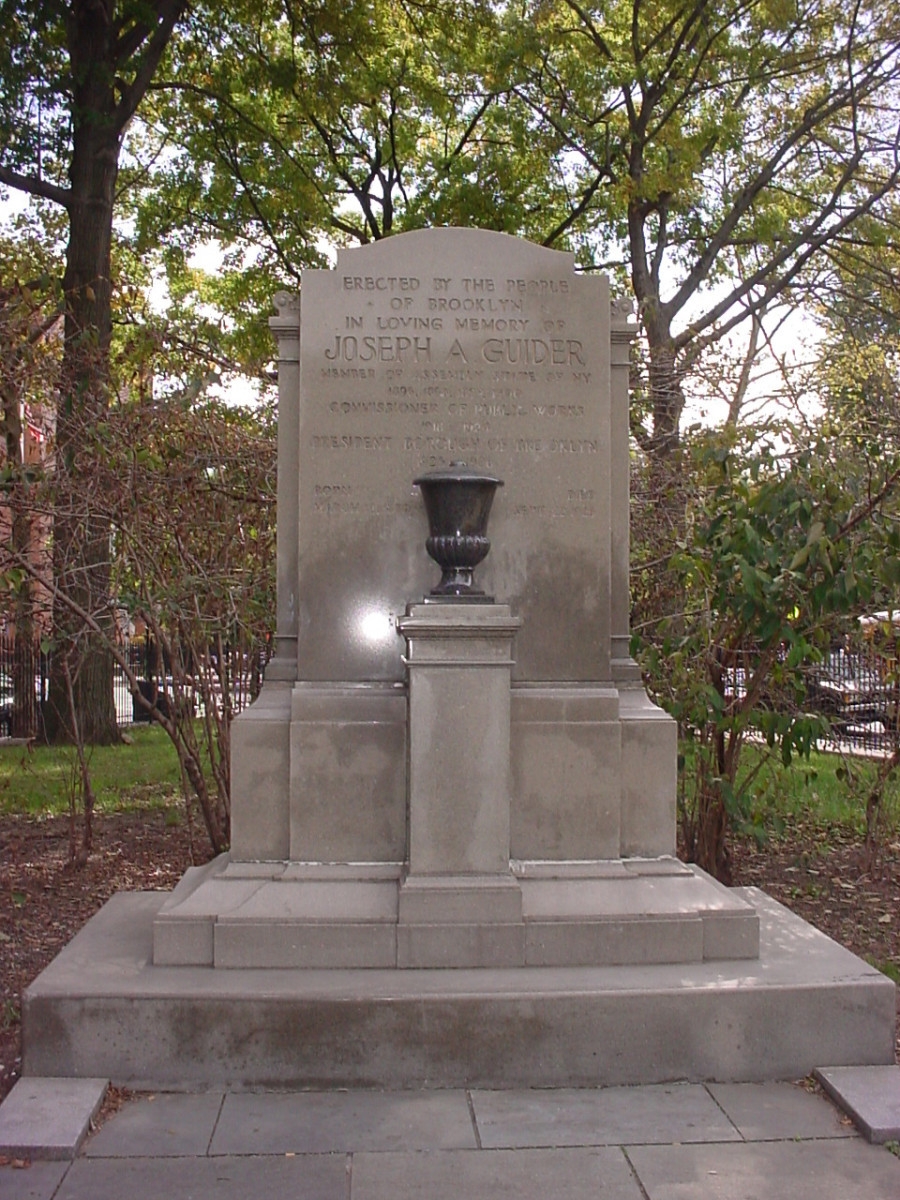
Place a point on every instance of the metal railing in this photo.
(855, 688)
(241, 669)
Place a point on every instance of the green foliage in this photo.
(715, 148)
(35, 82)
(710, 154)
(142, 772)
(826, 789)
(782, 543)
(64, 67)
(858, 372)
(281, 128)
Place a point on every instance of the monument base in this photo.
(541, 914)
(103, 1009)
(319, 772)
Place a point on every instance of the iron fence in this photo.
(854, 689)
(239, 674)
(857, 689)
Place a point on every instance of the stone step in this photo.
(235, 915)
(102, 1008)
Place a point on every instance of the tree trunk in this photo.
(711, 851)
(24, 718)
(666, 394)
(706, 833)
(81, 531)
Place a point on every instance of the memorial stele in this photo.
(437, 784)
(453, 823)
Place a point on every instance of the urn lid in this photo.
(458, 472)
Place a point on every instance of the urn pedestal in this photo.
(459, 905)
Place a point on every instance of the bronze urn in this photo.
(458, 502)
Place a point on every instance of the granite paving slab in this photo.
(777, 1111)
(573, 1174)
(310, 1177)
(36, 1181)
(871, 1095)
(679, 1112)
(323, 1122)
(48, 1117)
(165, 1125)
(823, 1170)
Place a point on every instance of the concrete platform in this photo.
(103, 1009)
(662, 1142)
(605, 913)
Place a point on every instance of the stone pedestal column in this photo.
(623, 330)
(459, 905)
(260, 735)
(286, 329)
(649, 749)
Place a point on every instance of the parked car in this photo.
(846, 688)
(857, 685)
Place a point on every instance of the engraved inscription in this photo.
(484, 368)
(481, 304)
(539, 287)
(380, 283)
(382, 349)
(500, 324)
(441, 346)
(558, 351)
(395, 322)
(387, 407)
(346, 441)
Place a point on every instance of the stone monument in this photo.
(504, 791)
(453, 823)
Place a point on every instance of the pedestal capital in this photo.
(447, 619)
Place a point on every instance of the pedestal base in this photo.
(103, 1009)
(314, 915)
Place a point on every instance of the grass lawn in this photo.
(141, 772)
(829, 790)
(831, 787)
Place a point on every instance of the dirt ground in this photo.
(44, 900)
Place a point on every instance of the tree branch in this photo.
(771, 276)
(576, 211)
(35, 187)
(832, 103)
(168, 12)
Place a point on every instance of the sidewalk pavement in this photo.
(772, 1141)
